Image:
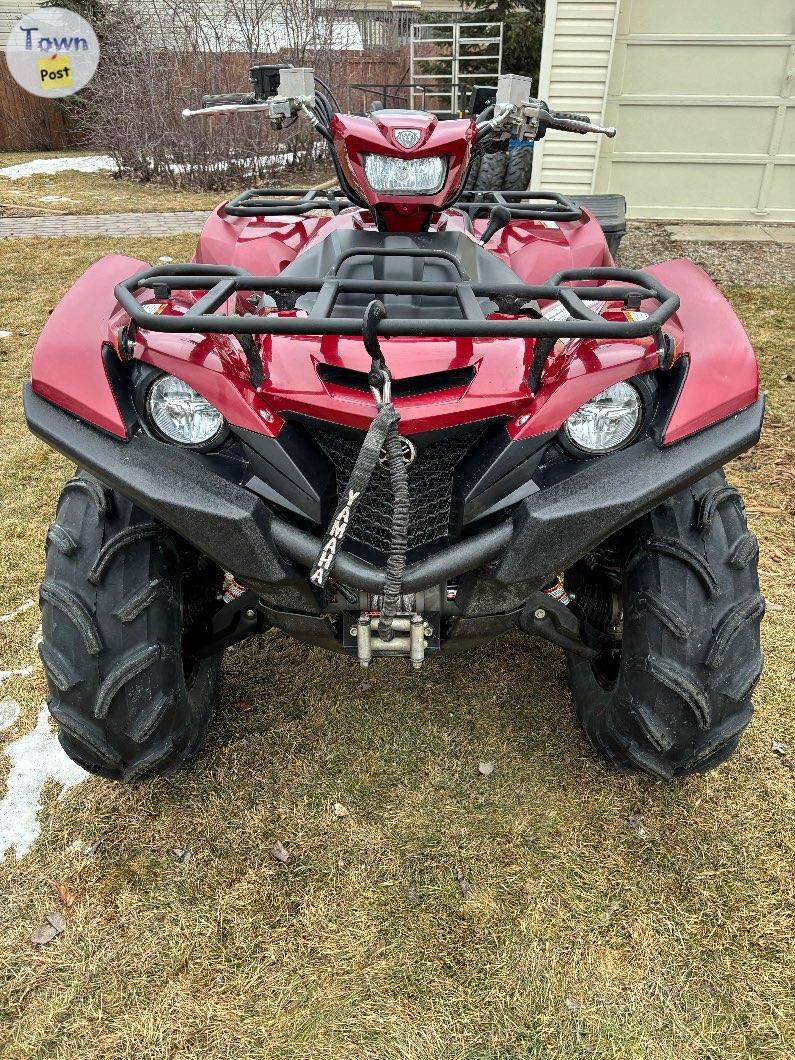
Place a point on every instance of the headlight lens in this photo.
(607, 421)
(420, 176)
(180, 414)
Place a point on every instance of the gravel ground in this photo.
(751, 264)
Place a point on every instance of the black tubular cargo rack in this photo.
(281, 202)
(522, 205)
(222, 282)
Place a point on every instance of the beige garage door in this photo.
(701, 92)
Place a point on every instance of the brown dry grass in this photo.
(585, 935)
(100, 193)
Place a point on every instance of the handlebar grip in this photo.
(568, 123)
(578, 123)
(571, 117)
(230, 97)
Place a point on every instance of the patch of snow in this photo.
(84, 164)
(26, 604)
(4, 335)
(9, 712)
(37, 638)
(35, 758)
(22, 671)
(56, 198)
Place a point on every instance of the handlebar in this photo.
(533, 118)
(526, 118)
(230, 97)
(224, 108)
(578, 123)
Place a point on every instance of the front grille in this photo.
(430, 480)
(429, 383)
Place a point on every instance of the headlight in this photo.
(181, 415)
(420, 176)
(607, 421)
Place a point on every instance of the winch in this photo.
(409, 639)
(414, 631)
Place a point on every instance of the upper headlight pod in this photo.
(179, 414)
(405, 176)
(607, 421)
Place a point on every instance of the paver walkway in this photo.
(164, 224)
(732, 233)
(110, 224)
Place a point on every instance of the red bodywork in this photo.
(722, 372)
(356, 137)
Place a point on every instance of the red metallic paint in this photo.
(262, 245)
(214, 365)
(722, 376)
(355, 137)
(67, 364)
(533, 249)
(536, 250)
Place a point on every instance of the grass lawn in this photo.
(94, 193)
(551, 910)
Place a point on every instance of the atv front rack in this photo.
(224, 282)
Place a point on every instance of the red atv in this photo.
(404, 418)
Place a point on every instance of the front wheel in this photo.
(118, 594)
(676, 599)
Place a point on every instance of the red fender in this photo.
(67, 367)
(723, 375)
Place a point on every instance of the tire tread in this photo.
(691, 654)
(125, 704)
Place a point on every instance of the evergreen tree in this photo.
(523, 25)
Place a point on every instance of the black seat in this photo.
(424, 257)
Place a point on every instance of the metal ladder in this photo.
(454, 48)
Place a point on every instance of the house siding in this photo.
(701, 94)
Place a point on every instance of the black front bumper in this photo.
(546, 533)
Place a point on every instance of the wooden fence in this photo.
(29, 123)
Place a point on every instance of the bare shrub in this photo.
(161, 56)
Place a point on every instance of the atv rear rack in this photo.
(281, 202)
(522, 205)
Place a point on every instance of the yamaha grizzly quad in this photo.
(396, 419)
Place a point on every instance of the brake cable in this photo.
(382, 434)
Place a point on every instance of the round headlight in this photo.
(607, 421)
(179, 414)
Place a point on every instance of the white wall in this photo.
(701, 93)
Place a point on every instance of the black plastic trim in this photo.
(411, 386)
(547, 533)
(179, 486)
(566, 520)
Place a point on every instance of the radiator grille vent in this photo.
(430, 480)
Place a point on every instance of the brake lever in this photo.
(224, 108)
